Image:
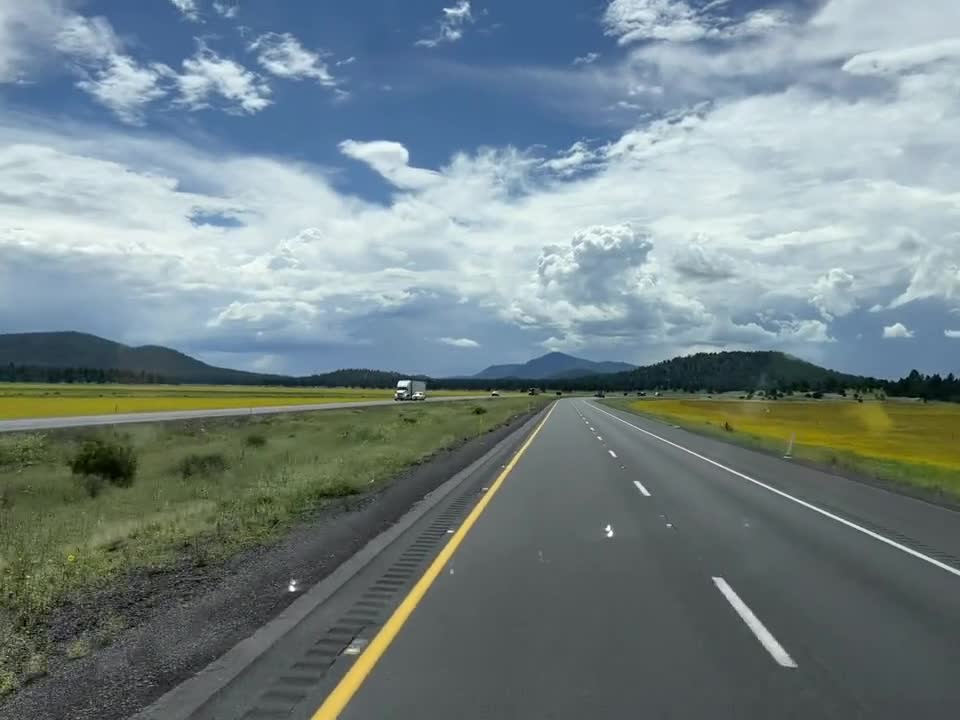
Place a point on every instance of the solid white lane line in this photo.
(852, 525)
(612, 453)
(753, 622)
(641, 488)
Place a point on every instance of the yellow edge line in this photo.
(345, 690)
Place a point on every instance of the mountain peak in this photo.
(553, 364)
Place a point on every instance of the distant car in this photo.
(494, 393)
(599, 394)
(419, 396)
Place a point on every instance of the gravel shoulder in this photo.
(171, 624)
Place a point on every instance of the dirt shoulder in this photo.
(168, 625)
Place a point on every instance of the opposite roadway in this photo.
(622, 568)
(168, 415)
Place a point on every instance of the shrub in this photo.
(817, 395)
(479, 410)
(36, 666)
(727, 426)
(109, 630)
(112, 460)
(337, 488)
(201, 464)
(256, 440)
(78, 648)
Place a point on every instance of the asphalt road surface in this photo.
(621, 568)
(144, 417)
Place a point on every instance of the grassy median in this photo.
(905, 442)
(202, 491)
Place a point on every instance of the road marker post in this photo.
(789, 453)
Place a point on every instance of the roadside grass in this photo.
(916, 444)
(203, 492)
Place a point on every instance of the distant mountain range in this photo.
(81, 350)
(553, 365)
(79, 357)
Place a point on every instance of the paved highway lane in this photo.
(614, 574)
(870, 613)
(165, 416)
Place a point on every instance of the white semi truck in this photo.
(410, 390)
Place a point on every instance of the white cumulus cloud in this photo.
(126, 88)
(225, 9)
(697, 259)
(577, 157)
(936, 274)
(955, 334)
(597, 264)
(897, 331)
(281, 54)
(391, 160)
(87, 38)
(206, 76)
(588, 59)
(187, 8)
(654, 20)
(685, 21)
(460, 342)
(451, 25)
(833, 294)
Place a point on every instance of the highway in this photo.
(168, 415)
(618, 567)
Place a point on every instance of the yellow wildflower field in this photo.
(19, 401)
(900, 431)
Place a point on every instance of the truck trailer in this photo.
(410, 390)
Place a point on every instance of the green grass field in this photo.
(204, 490)
(906, 442)
(25, 400)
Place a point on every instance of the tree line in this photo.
(41, 374)
(771, 373)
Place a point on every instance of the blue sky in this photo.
(438, 186)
